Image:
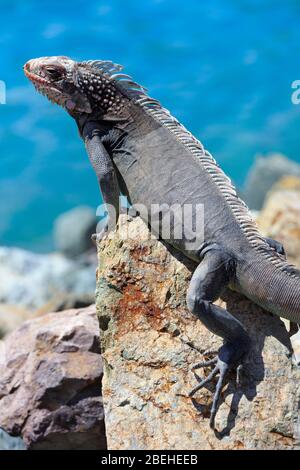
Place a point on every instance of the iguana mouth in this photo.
(44, 85)
(36, 79)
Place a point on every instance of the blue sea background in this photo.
(223, 67)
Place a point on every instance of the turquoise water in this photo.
(223, 67)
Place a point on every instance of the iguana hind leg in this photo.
(208, 281)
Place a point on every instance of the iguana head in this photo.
(80, 87)
(57, 78)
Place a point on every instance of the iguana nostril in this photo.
(26, 67)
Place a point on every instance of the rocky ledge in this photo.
(50, 382)
(149, 341)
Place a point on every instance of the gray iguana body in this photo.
(137, 147)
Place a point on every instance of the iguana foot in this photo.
(222, 368)
(229, 357)
(201, 364)
(207, 352)
(207, 284)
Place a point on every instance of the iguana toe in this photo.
(220, 368)
(210, 362)
(231, 360)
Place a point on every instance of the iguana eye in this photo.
(53, 72)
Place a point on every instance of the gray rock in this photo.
(73, 230)
(265, 172)
(33, 283)
(50, 382)
(295, 341)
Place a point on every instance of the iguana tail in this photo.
(266, 278)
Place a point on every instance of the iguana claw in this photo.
(232, 359)
(204, 363)
(220, 367)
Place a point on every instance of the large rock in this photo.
(32, 284)
(50, 382)
(149, 341)
(265, 172)
(280, 216)
(73, 230)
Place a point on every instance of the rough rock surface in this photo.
(265, 172)
(149, 341)
(73, 230)
(280, 216)
(32, 283)
(50, 382)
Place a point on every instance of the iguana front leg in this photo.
(277, 246)
(106, 174)
(208, 281)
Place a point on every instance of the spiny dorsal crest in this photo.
(110, 72)
(102, 80)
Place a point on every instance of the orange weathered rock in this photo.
(149, 341)
(280, 216)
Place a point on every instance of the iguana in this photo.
(139, 149)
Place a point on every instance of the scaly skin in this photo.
(136, 147)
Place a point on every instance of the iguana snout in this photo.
(56, 78)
